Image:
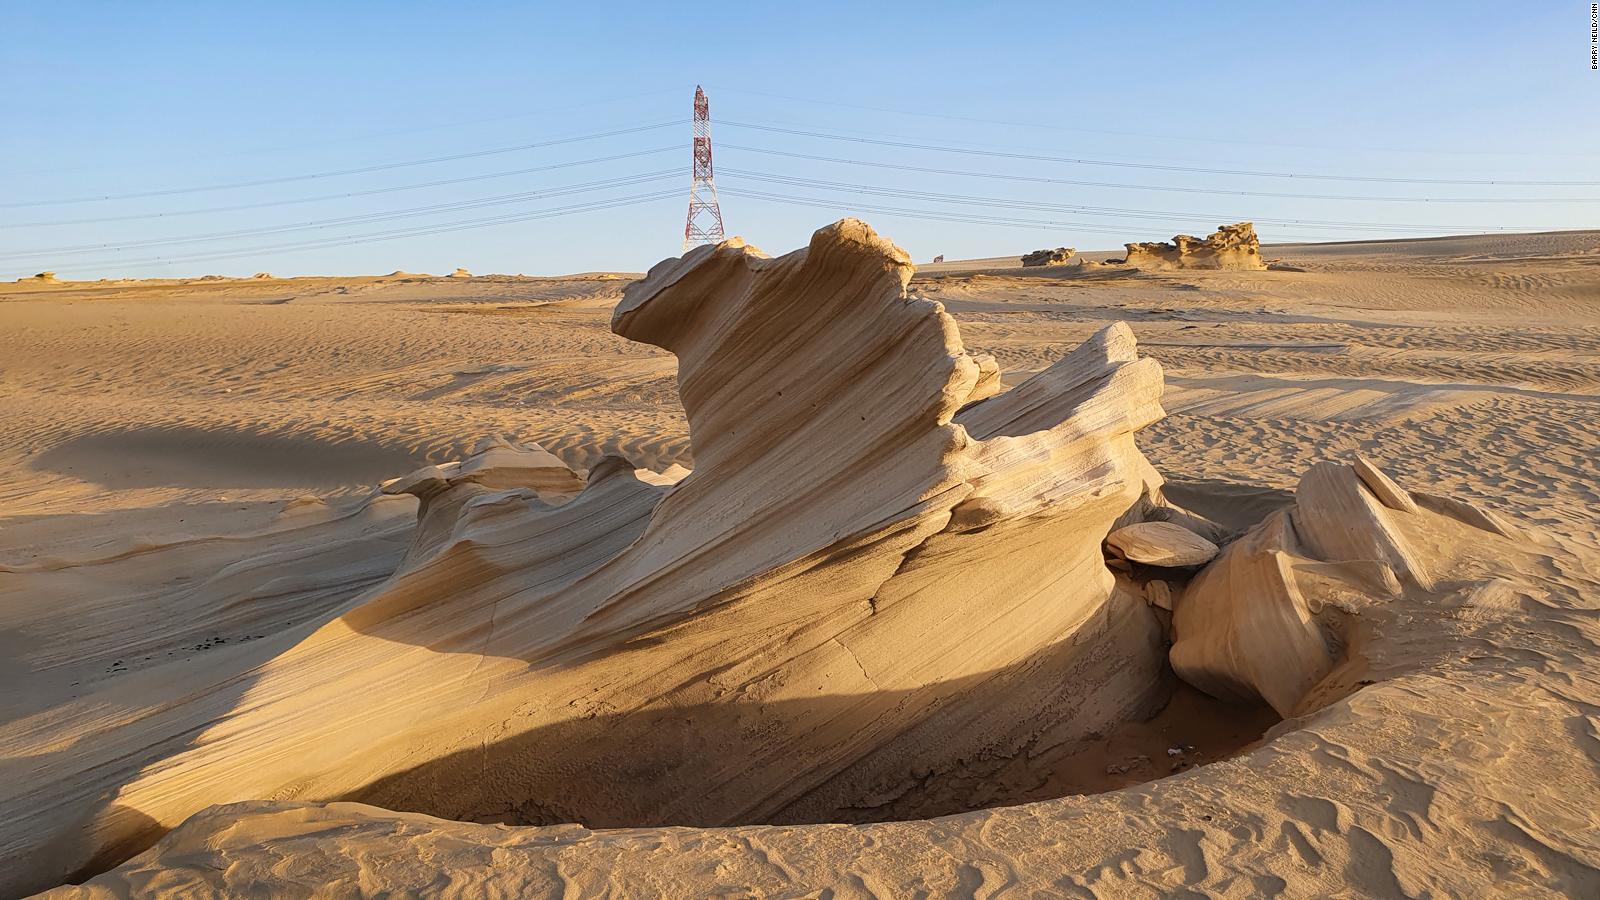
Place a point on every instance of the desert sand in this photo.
(420, 584)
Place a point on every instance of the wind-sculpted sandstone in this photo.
(1229, 247)
(878, 568)
(885, 592)
(1416, 716)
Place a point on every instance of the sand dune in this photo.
(198, 574)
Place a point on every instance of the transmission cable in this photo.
(1108, 211)
(1052, 126)
(938, 216)
(907, 145)
(1033, 179)
(382, 216)
(394, 234)
(366, 193)
(339, 172)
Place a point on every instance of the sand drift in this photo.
(882, 593)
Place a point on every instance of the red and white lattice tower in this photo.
(705, 216)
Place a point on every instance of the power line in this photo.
(907, 145)
(1033, 179)
(340, 172)
(856, 190)
(439, 125)
(366, 193)
(641, 178)
(478, 203)
(394, 234)
(929, 214)
(938, 216)
(1108, 211)
(1166, 137)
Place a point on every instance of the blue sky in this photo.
(106, 99)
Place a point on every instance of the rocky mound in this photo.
(1229, 247)
(1060, 256)
(459, 273)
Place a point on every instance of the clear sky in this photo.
(109, 99)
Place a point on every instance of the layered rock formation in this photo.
(878, 568)
(1060, 256)
(1431, 753)
(1229, 247)
(883, 573)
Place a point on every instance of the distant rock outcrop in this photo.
(46, 277)
(1229, 247)
(263, 276)
(460, 273)
(1060, 256)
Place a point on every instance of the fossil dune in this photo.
(968, 529)
(890, 586)
(1362, 789)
